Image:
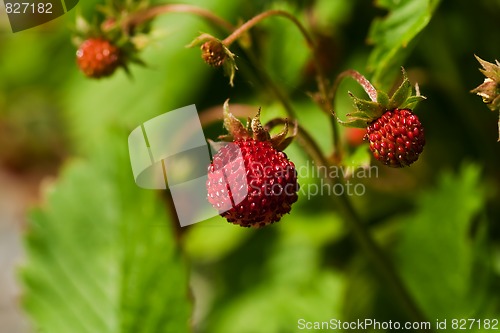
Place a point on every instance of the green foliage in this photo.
(284, 50)
(441, 263)
(102, 255)
(394, 34)
(282, 273)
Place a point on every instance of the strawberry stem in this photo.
(256, 19)
(367, 86)
(152, 12)
(372, 250)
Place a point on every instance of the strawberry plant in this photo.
(361, 204)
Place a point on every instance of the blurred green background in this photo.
(102, 255)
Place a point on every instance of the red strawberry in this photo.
(264, 178)
(396, 138)
(251, 182)
(98, 57)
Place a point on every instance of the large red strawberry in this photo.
(397, 138)
(251, 182)
(98, 57)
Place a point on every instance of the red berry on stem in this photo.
(98, 57)
(251, 183)
(396, 138)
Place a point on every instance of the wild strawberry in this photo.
(251, 182)
(264, 195)
(98, 57)
(395, 133)
(397, 138)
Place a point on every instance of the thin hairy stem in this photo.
(256, 19)
(367, 86)
(152, 12)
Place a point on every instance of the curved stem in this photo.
(152, 12)
(371, 249)
(380, 261)
(256, 19)
(367, 86)
(330, 96)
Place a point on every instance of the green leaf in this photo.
(436, 251)
(101, 255)
(296, 284)
(393, 34)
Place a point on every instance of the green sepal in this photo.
(359, 115)
(412, 101)
(382, 99)
(356, 123)
(370, 108)
(401, 95)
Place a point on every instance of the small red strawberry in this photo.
(395, 133)
(251, 182)
(98, 57)
(397, 138)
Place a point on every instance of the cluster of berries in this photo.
(269, 185)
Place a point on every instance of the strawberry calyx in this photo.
(216, 54)
(255, 130)
(489, 90)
